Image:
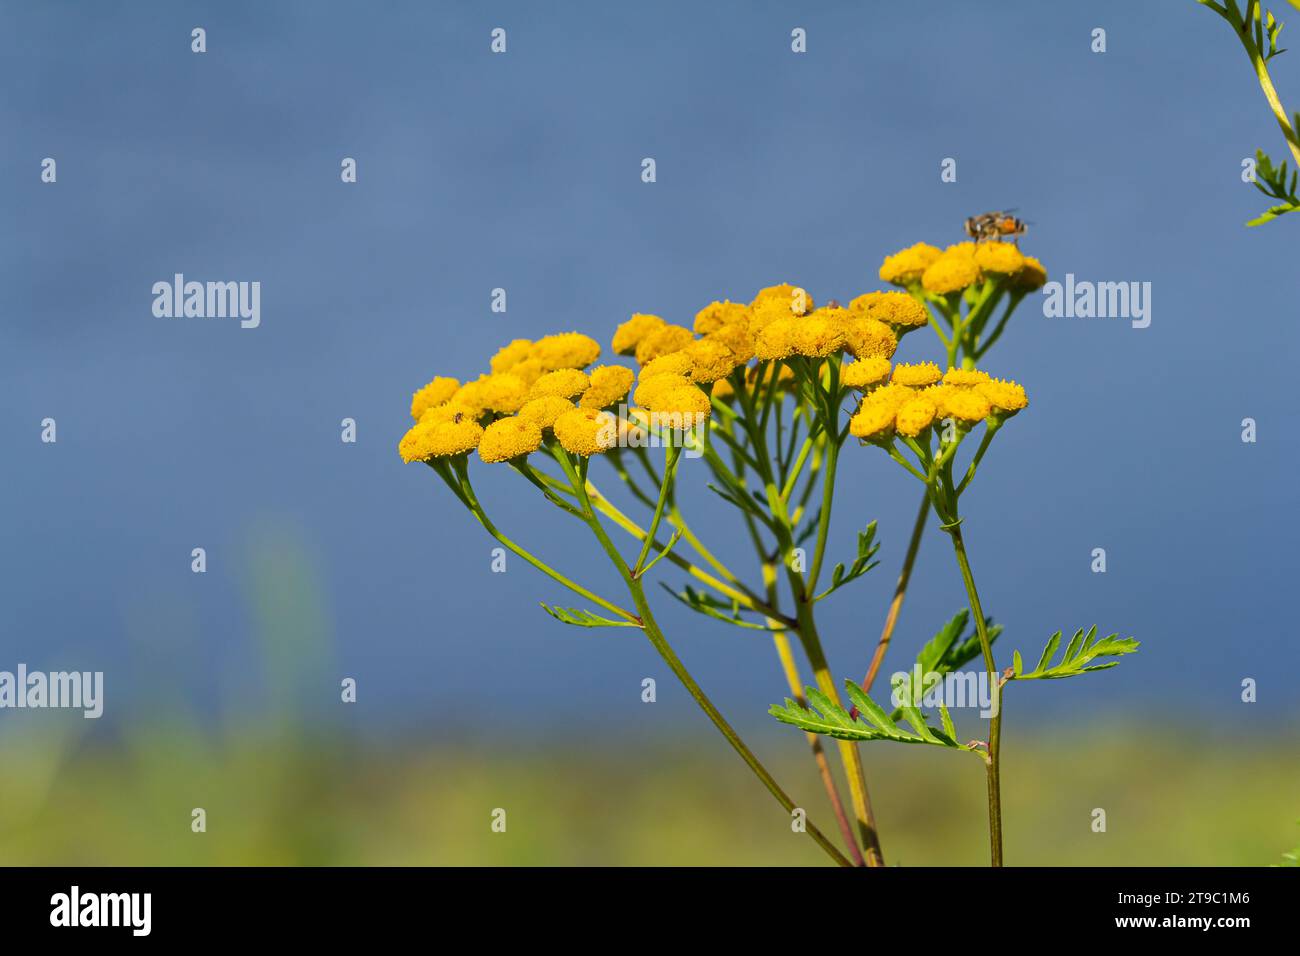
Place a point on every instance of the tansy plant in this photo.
(1258, 31)
(767, 395)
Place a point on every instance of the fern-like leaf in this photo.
(827, 718)
(706, 604)
(581, 617)
(867, 548)
(1082, 649)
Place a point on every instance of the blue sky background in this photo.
(523, 171)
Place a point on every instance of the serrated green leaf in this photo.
(1084, 648)
(581, 617)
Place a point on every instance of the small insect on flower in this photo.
(995, 226)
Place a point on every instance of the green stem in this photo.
(665, 489)
(995, 727)
(466, 493)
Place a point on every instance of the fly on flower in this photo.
(995, 226)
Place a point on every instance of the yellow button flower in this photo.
(530, 370)
(738, 338)
(896, 309)
(439, 439)
(778, 302)
(563, 382)
(674, 363)
(508, 356)
(648, 391)
(566, 350)
(1006, 397)
(629, 335)
(951, 273)
(964, 404)
(776, 339)
(710, 360)
(906, 267)
(505, 393)
(964, 376)
(1000, 258)
(435, 393)
(821, 333)
(586, 431)
(473, 395)
(509, 438)
(922, 373)
(872, 420)
(865, 337)
(543, 411)
(718, 314)
(915, 415)
(683, 400)
(609, 386)
(1032, 275)
(670, 338)
(865, 372)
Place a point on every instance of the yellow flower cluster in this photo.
(547, 388)
(533, 388)
(951, 270)
(918, 395)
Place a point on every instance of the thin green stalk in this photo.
(995, 725)
(466, 493)
(670, 466)
(636, 588)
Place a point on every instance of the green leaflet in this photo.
(867, 548)
(581, 617)
(823, 716)
(1080, 652)
(704, 603)
(947, 651)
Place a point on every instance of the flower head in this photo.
(820, 334)
(563, 382)
(898, 310)
(609, 386)
(962, 404)
(566, 350)
(586, 431)
(439, 439)
(1006, 397)
(716, 315)
(1000, 258)
(505, 392)
(778, 302)
(964, 376)
(710, 360)
(509, 438)
(866, 337)
(951, 272)
(922, 373)
(435, 393)
(776, 339)
(1031, 276)
(543, 411)
(873, 420)
(865, 372)
(649, 389)
(508, 356)
(915, 415)
(906, 267)
(629, 335)
(737, 338)
(474, 396)
(662, 341)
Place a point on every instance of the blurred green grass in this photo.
(283, 787)
(281, 799)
